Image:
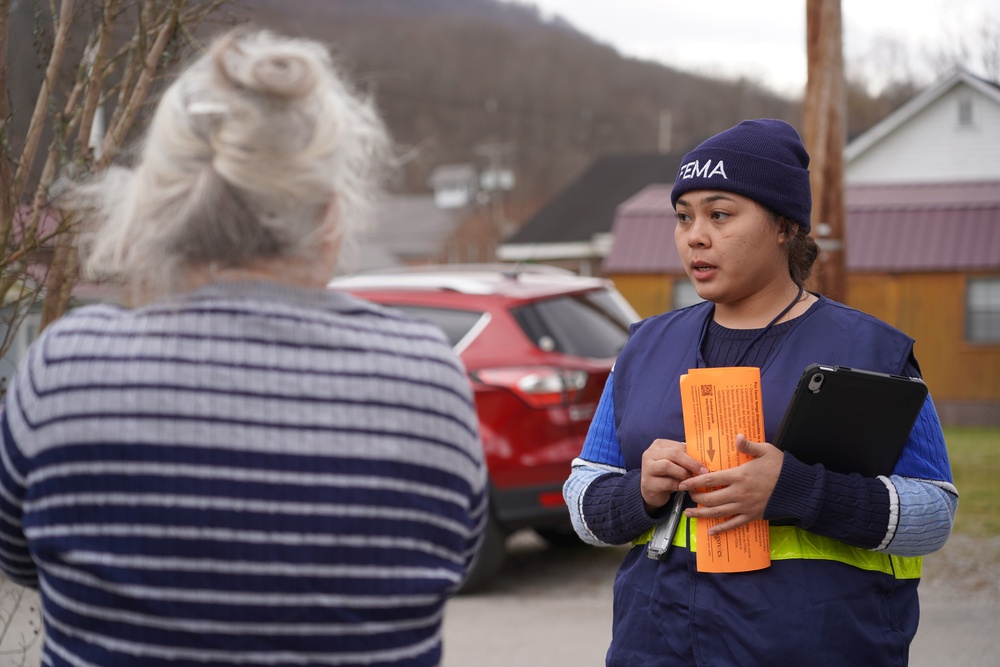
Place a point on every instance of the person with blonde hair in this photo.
(242, 467)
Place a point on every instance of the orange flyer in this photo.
(718, 404)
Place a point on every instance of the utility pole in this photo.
(496, 180)
(824, 128)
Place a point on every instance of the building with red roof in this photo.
(922, 240)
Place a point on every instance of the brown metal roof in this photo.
(922, 195)
(915, 240)
(890, 228)
(643, 234)
(923, 227)
(651, 200)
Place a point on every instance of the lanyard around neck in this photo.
(756, 339)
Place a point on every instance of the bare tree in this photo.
(990, 50)
(96, 56)
(978, 52)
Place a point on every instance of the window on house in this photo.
(982, 310)
(685, 294)
(965, 118)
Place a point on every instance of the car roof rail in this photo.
(468, 278)
(507, 270)
(495, 267)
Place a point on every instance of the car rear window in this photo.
(591, 324)
(455, 323)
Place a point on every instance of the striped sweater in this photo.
(253, 474)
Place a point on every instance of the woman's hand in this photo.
(740, 493)
(665, 464)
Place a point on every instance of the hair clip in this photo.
(207, 108)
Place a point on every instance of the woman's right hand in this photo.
(665, 464)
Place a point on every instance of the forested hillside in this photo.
(467, 80)
(456, 77)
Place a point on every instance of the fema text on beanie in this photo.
(762, 159)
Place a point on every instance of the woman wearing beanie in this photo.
(846, 594)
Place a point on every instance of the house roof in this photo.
(644, 234)
(450, 174)
(47, 224)
(975, 194)
(905, 113)
(924, 227)
(586, 208)
(890, 228)
(406, 228)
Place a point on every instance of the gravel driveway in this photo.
(552, 607)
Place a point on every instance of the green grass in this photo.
(975, 462)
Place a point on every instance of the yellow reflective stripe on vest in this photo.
(680, 537)
(788, 543)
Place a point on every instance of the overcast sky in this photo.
(765, 39)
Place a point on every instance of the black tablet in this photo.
(850, 420)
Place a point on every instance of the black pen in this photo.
(664, 532)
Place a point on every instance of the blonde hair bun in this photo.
(258, 63)
(261, 150)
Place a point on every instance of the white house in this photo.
(948, 133)
(922, 235)
(923, 241)
(454, 185)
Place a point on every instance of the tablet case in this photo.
(850, 420)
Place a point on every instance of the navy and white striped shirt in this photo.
(254, 474)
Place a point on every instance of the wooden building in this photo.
(923, 257)
(922, 240)
(926, 179)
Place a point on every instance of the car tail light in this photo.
(538, 386)
(551, 499)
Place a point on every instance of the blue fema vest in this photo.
(662, 348)
(798, 611)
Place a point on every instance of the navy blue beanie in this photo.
(761, 159)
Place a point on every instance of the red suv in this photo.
(538, 344)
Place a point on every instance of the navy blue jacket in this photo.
(647, 393)
(796, 612)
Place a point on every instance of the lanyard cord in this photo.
(746, 350)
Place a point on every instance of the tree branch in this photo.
(6, 202)
(97, 66)
(116, 135)
(34, 134)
